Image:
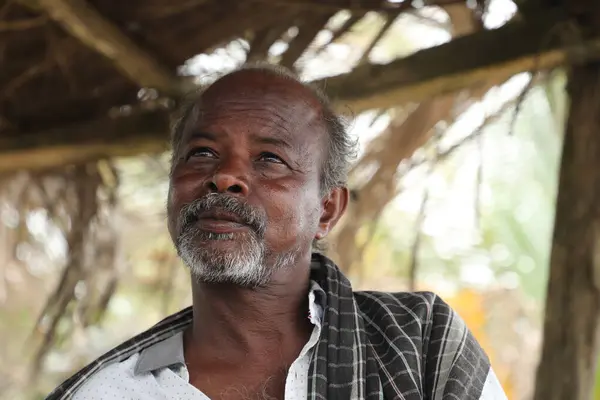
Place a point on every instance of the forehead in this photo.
(259, 98)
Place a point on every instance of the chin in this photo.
(245, 281)
(225, 258)
(237, 258)
(228, 269)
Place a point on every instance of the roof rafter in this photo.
(137, 133)
(306, 34)
(463, 62)
(86, 24)
(467, 62)
(357, 6)
(265, 38)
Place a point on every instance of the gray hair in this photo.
(341, 147)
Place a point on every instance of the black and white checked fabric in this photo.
(373, 345)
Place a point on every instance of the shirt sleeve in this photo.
(456, 367)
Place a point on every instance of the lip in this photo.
(220, 222)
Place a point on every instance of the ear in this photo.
(333, 206)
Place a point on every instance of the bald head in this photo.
(280, 90)
(266, 85)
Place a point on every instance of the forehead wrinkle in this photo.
(270, 91)
(270, 111)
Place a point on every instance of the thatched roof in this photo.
(68, 66)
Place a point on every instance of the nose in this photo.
(229, 179)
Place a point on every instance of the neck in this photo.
(231, 322)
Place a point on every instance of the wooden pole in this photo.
(567, 368)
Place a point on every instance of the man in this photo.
(258, 176)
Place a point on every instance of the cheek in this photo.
(184, 187)
(180, 192)
(292, 220)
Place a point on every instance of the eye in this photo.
(270, 157)
(202, 152)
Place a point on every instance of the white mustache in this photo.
(249, 215)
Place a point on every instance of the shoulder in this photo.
(424, 316)
(111, 382)
(412, 320)
(422, 307)
(452, 360)
(119, 357)
(437, 322)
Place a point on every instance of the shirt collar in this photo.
(169, 352)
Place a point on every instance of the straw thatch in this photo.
(71, 70)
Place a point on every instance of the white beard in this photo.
(245, 266)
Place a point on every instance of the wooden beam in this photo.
(467, 62)
(567, 369)
(307, 31)
(358, 6)
(571, 341)
(389, 21)
(130, 135)
(341, 31)
(86, 24)
(265, 38)
(493, 55)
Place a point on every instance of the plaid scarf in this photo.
(373, 345)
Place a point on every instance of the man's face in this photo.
(244, 197)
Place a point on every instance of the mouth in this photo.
(216, 221)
